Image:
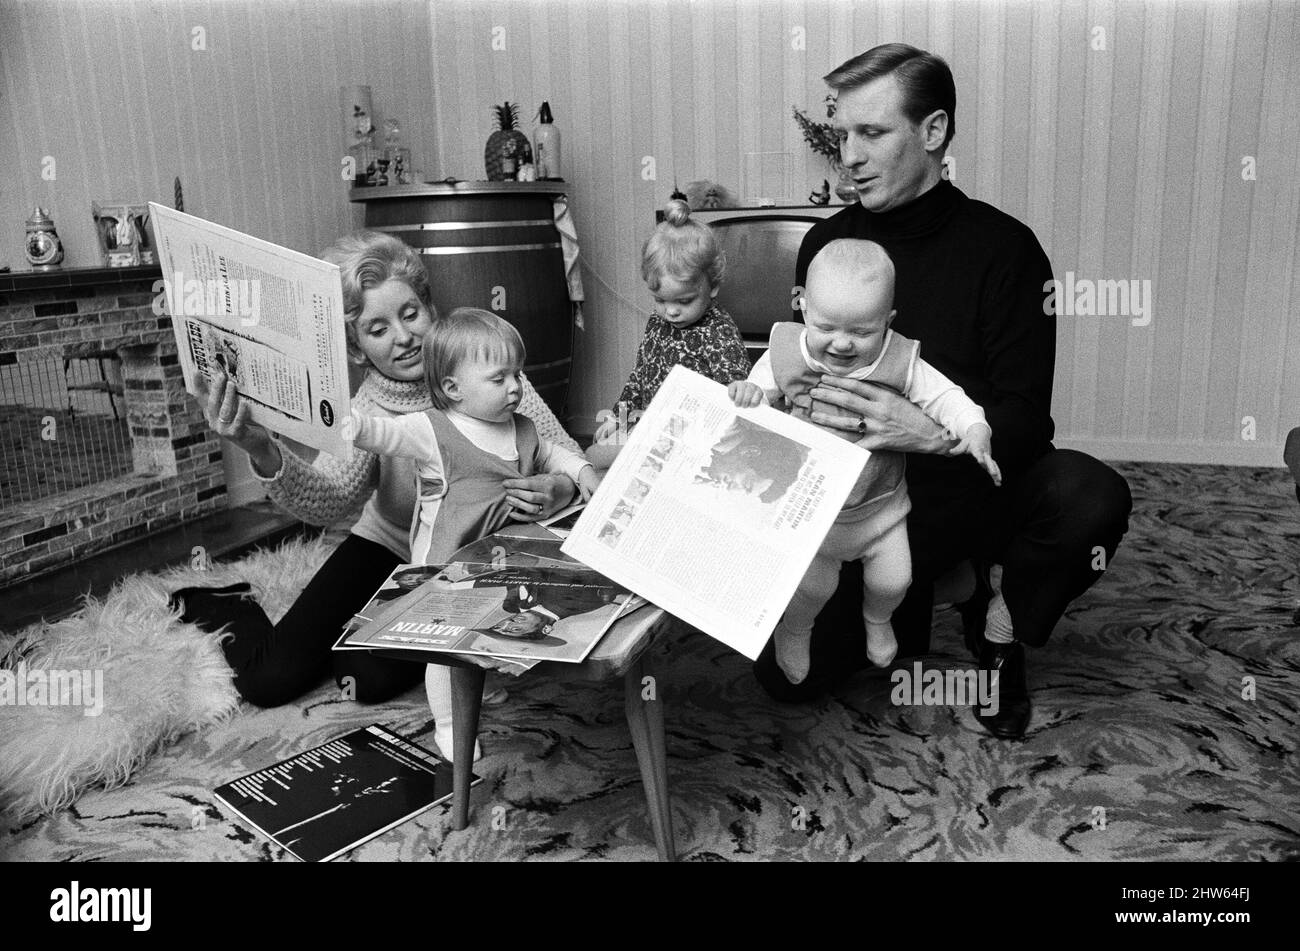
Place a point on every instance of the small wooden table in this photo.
(623, 651)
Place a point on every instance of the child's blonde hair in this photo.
(682, 248)
(467, 333)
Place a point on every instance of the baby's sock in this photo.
(437, 686)
(792, 654)
(882, 646)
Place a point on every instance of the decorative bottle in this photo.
(546, 145)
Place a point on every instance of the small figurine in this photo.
(527, 173)
(705, 194)
(822, 197)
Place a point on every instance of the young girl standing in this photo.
(682, 265)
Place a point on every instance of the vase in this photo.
(845, 190)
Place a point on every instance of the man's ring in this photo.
(862, 424)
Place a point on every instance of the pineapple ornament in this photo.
(507, 147)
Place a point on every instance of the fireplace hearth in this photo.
(99, 442)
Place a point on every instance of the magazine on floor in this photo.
(270, 318)
(329, 800)
(714, 513)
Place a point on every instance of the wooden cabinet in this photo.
(491, 245)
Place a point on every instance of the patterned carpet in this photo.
(1142, 746)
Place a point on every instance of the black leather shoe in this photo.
(1006, 662)
(974, 613)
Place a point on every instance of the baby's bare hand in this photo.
(745, 394)
(978, 444)
(589, 480)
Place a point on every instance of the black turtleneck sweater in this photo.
(969, 287)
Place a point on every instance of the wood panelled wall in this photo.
(1118, 131)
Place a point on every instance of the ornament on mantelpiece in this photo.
(507, 148)
(123, 232)
(362, 149)
(527, 173)
(179, 203)
(398, 155)
(546, 139)
(822, 196)
(43, 248)
(823, 138)
(704, 195)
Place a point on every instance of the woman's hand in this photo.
(540, 496)
(227, 415)
(883, 419)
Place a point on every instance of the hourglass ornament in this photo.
(398, 155)
(364, 154)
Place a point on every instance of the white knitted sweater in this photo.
(328, 489)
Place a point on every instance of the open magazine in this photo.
(270, 318)
(330, 799)
(714, 513)
(514, 596)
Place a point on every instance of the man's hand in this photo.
(884, 419)
(978, 443)
(745, 394)
(536, 497)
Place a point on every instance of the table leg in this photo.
(645, 720)
(466, 702)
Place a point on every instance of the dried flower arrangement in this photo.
(821, 137)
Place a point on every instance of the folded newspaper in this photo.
(270, 318)
(514, 597)
(714, 513)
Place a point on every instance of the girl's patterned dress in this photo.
(711, 346)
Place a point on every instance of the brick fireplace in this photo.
(101, 318)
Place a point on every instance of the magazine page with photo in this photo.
(714, 513)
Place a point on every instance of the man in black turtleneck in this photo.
(970, 286)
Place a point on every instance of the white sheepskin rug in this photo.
(161, 678)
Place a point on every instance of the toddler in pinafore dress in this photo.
(847, 307)
(464, 448)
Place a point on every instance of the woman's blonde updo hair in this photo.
(368, 259)
(682, 248)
